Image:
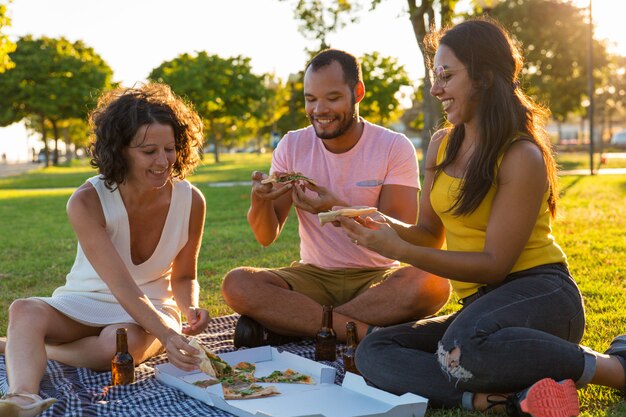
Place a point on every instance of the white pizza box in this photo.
(324, 399)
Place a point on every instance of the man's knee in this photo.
(425, 291)
(241, 287)
(234, 281)
(435, 292)
(237, 283)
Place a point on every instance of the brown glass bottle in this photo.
(122, 364)
(352, 340)
(326, 339)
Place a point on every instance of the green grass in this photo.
(37, 247)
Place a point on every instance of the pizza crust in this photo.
(205, 365)
(259, 392)
(331, 216)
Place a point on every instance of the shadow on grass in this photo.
(565, 189)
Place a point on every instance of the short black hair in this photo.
(349, 64)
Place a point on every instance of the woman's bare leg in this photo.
(37, 332)
(96, 352)
(31, 323)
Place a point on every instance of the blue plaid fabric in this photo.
(81, 392)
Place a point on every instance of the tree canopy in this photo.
(383, 77)
(53, 80)
(224, 91)
(554, 37)
(6, 46)
(553, 34)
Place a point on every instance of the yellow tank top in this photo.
(467, 233)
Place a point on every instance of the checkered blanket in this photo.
(86, 393)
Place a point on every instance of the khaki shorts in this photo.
(331, 286)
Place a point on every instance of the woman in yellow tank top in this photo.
(489, 193)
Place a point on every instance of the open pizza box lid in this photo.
(324, 399)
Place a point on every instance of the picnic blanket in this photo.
(86, 393)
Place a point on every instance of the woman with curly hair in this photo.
(489, 193)
(139, 226)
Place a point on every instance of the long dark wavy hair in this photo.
(493, 62)
(122, 112)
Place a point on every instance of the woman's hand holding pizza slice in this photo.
(354, 211)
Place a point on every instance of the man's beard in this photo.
(343, 128)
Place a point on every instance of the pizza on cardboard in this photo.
(239, 382)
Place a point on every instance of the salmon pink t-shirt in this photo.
(380, 157)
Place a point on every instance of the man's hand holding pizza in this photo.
(265, 190)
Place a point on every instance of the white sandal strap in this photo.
(34, 397)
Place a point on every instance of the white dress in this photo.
(88, 300)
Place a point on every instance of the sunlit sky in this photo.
(135, 36)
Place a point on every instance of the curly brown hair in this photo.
(122, 112)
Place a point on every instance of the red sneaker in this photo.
(548, 398)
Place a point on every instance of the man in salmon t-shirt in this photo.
(353, 163)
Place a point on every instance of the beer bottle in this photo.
(122, 364)
(326, 339)
(352, 341)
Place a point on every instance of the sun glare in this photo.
(608, 22)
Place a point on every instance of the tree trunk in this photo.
(559, 130)
(216, 148)
(44, 137)
(423, 19)
(213, 132)
(55, 132)
(69, 148)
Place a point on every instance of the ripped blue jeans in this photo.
(502, 340)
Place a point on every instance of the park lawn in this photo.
(38, 247)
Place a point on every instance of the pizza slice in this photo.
(355, 211)
(238, 382)
(247, 391)
(203, 383)
(288, 376)
(244, 371)
(210, 364)
(287, 177)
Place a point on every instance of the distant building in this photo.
(17, 144)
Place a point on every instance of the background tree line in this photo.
(52, 84)
(553, 34)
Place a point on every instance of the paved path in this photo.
(601, 171)
(8, 170)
